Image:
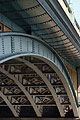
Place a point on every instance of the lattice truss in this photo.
(33, 84)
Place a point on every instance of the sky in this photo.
(76, 8)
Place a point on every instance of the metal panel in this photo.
(1, 51)
(16, 44)
(24, 44)
(7, 43)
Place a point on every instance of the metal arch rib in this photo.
(24, 91)
(46, 81)
(9, 104)
(64, 81)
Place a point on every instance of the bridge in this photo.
(39, 60)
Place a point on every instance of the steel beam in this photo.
(65, 104)
(39, 95)
(46, 81)
(23, 89)
(65, 83)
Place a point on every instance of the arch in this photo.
(46, 81)
(34, 46)
(54, 67)
(65, 83)
(9, 104)
(24, 91)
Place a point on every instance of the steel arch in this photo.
(30, 45)
(46, 82)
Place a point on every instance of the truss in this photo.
(28, 81)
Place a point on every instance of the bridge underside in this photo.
(47, 20)
(34, 81)
(19, 69)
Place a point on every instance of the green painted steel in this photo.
(15, 44)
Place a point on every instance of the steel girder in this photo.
(26, 45)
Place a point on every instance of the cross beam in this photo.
(23, 89)
(46, 81)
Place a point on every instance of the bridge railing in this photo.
(69, 12)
